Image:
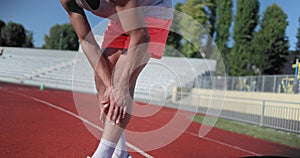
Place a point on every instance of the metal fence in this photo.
(279, 115)
(267, 83)
(266, 113)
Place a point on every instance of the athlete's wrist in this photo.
(121, 85)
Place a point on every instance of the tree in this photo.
(2, 25)
(271, 44)
(29, 39)
(195, 9)
(174, 38)
(298, 38)
(246, 20)
(210, 9)
(223, 22)
(62, 37)
(13, 35)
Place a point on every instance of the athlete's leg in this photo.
(120, 150)
(105, 147)
(113, 132)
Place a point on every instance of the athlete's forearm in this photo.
(96, 59)
(133, 23)
(88, 43)
(136, 56)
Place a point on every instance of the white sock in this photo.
(105, 149)
(120, 150)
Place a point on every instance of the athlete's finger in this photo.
(124, 112)
(119, 116)
(105, 101)
(116, 113)
(105, 105)
(111, 110)
(102, 116)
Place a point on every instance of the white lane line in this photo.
(216, 141)
(140, 151)
(225, 144)
(231, 146)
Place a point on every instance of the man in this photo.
(133, 36)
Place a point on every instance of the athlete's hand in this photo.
(105, 104)
(120, 104)
(103, 97)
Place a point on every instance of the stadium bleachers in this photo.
(70, 70)
(34, 66)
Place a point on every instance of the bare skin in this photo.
(115, 73)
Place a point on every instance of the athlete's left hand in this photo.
(120, 103)
(103, 95)
(104, 104)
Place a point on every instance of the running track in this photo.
(45, 123)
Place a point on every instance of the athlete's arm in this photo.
(133, 23)
(87, 40)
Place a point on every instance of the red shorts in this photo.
(158, 29)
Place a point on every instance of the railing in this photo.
(267, 113)
(266, 83)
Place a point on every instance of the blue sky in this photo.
(40, 15)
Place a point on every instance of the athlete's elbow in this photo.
(66, 4)
(70, 6)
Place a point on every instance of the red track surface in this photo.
(30, 128)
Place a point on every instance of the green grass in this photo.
(290, 139)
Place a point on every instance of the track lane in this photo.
(57, 135)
